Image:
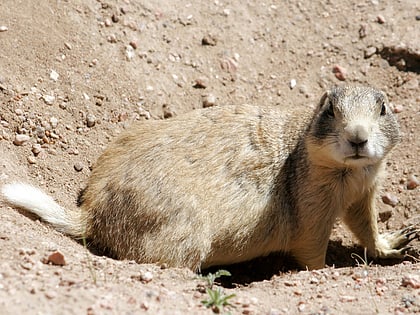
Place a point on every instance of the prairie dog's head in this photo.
(352, 127)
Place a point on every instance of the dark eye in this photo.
(383, 109)
(330, 110)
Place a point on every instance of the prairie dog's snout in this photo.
(357, 134)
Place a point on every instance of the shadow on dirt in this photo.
(404, 58)
(265, 268)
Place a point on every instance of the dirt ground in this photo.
(73, 74)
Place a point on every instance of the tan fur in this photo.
(228, 184)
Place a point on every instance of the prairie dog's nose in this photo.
(357, 135)
(357, 143)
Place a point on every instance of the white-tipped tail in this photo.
(36, 201)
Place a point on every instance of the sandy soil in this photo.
(73, 74)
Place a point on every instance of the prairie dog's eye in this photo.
(383, 109)
(330, 109)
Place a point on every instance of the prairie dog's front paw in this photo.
(394, 244)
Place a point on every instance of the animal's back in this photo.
(198, 182)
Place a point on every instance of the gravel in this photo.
(56, 258)
(412, 182)
(90, 120)
(390, 199)
(21, 139)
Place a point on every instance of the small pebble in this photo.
(90, 120)
(144, 113)
(369, 52)
(209, 40)
(40, 132)
(229, 65)
(112, 38)
(412, 182)
(167, 111)
(53, 122)
(144, 305)
(348, 298)
(56, 258)
(313, 280)
(288, 283)
(339, 72)
(50, 295)
(36, 149)
(390, 199)
(411, 281)
(129, 52)
(363, 31)
(200, 83)
(398, 109)
(146, 276)
(93, 63)
(3, 28)
(20, 139)
(108, 22)
(380, 19)
(73, 151)
(31, 159)
(133, 44)
(292, 84)
(115, 18)
(48, 99)
(301, 306)
(209, 100)
(78, 167)
(54, 75)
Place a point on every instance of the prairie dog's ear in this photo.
(323, 99)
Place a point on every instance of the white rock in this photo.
(53, 122)
(54, 75)
(292, 83)
(209, 100)
(146, 276)
(90, 120)
(48, 99)
(129, 52)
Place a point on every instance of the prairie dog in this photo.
(228, 184)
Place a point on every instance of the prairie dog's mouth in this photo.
(355, 157)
